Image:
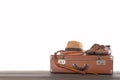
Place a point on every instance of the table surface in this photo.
(46, 75)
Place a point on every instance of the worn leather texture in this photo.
(96, 64)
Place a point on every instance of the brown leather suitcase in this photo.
(95, 64)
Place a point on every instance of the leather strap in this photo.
(67, 67)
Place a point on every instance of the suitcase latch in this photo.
(62, 61)
(99, 61)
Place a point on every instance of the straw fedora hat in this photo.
(74, 46)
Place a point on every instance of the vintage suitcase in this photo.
(95, 64)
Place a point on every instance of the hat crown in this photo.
(74, 44)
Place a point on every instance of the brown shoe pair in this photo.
(97, 49)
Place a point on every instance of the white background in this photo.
(32, 30)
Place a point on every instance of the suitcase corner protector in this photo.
(50, 57)
(51, 70)
(111, 71)
(111, 58)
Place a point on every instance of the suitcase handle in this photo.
(80, 68)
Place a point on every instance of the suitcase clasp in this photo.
(99, 61)
(62, 61)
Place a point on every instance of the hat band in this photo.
(73, 49)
